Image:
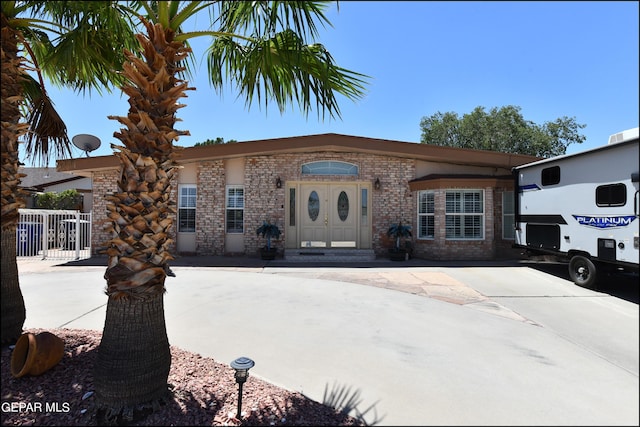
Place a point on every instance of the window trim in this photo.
(181, 208)
(511, 214)
(329, 167)
(228, 208)
(550, 176)
(463, 214)
(426, 215)
(609, 190)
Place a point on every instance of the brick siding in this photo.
(392, 203)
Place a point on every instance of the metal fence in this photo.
(54, 234)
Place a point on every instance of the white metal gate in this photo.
(53, 234)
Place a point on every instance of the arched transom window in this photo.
(329, 167)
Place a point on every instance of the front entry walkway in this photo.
(330, 255)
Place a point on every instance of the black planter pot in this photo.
(397, 254)
(268, 254)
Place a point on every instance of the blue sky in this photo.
(551, 59)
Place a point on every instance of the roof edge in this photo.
(318, 142)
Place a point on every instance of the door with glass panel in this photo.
(343, 213)
(314, 222)
(329, 215)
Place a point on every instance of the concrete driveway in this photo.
(417, 344)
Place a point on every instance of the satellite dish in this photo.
(86, 142)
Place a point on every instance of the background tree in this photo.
(69, 199)
(81, 56)
(263, 50)
(501, 129)
(218, 140)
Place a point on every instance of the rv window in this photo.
(611, 195)
(551, 175)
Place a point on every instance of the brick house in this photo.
(331, 192)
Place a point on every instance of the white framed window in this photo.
(508, 216)
(187, 195)
(329, 167)
(426, 211)
(235, 209)
(464, 214)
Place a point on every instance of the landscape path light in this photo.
(241, 366)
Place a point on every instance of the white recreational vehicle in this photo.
(583, 208)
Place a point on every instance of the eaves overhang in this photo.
(330, 142)
(438, 181)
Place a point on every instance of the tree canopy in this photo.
(501, 129)
(67, 199)
(218, 140)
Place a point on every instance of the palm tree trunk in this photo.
(133, 360)
(13, 308)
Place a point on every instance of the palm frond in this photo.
(47, 136)
(83, 54)
(286, 70)
(264, 19)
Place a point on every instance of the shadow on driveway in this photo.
(620, 285)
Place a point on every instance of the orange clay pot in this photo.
(34, 354)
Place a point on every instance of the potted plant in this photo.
(268, 231)
(398, 232)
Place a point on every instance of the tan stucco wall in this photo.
(424, 168)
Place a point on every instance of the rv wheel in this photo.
(582, 271)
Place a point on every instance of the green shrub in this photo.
(68, 200)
